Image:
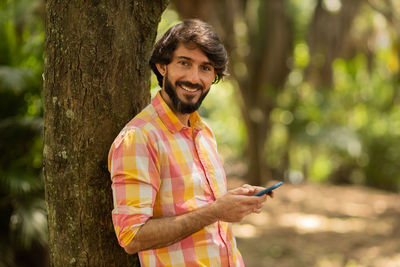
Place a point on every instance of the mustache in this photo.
(190, 85)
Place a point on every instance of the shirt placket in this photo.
(204, 164)
(228, 243)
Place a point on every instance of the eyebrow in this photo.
(189, 59)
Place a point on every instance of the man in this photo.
(169, 187)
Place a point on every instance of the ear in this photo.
(162, 68)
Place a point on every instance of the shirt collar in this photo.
(169, 118)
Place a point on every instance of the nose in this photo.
(193, 76)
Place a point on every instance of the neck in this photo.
(184, 118)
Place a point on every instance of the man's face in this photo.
(182, 106)
(187, 79)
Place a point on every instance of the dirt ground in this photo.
(322, 226)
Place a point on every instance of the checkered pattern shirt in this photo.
(161, 168)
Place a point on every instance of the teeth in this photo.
(189, 90)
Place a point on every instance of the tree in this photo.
(329, 33)
(96, 78)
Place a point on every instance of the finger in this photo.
(240, 191)
(258, 189)
(263, 198)
(251, 189)
(257, 210)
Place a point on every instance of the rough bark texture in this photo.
(96, 80)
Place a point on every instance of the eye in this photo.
(206, 68)
(183, 63)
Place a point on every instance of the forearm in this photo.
(162, 232)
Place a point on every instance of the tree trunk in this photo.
(328, 36)
(271, 42)
(218, 13)
(96, 79)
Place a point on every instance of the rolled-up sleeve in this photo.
(132, 162)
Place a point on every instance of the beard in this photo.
(178, 104)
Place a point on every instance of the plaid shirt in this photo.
(161, 168)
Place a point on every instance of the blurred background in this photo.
(312, 99)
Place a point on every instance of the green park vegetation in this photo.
(22, 206)
(346, 132)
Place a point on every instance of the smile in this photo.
(189, 90)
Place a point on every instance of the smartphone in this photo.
(269, 189)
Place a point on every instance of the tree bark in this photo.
(219, 13)
(96, 79)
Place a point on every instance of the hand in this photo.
(237, 203)
(255, 189)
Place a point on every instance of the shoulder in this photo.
(142, 128)
(147, 116)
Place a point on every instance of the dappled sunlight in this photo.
(337, 200)
(322, 226)
(311, 223)
(336, 260)
(245, 230)
(253, 224)
(389, 261)
(303, 222)
(373, 257)
(329, 209)
(260, 219)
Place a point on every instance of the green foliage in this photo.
(348, 133)
(23, 216)
(345, 134)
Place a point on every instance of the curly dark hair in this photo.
(194, 33)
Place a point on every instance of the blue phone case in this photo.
(269, 189)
